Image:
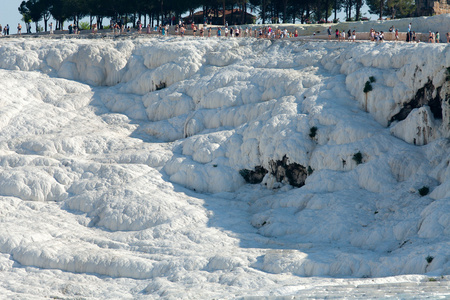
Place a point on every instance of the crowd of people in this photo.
(342, 35)
(379, 36)
(4, 30)
(203, 30)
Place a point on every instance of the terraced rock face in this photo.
(105, 170)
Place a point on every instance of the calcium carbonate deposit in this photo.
(220, 168)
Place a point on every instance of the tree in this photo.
(337, 6)
(59, 13)
(400, 8)
(391, 8)
(32, 10)
(24, 11)
(359, 4)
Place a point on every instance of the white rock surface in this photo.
(110, 188)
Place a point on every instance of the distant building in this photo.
(215, 17)
(432, 7)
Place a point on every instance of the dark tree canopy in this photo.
(159, 11)
(392, 8)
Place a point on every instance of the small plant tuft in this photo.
(215, 166)
(432, 279)
(423, 191)
(367, 87)
(312, 132)
(429, 259)
(372, 79)
(357, 157)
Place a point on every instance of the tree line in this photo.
(158, 11)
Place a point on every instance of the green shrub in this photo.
(372, 79)
(424, 191)
(312, 132)
(357, 157)
(429, 259)
(310, 170)
(84, 26)
(367, 87)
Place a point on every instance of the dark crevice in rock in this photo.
(160, 86)
(295, 173)
(424, 96)
(255, 176)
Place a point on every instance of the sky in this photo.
(9, 14)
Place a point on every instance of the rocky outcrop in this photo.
(294, 173)
(253, 176)
(427, 95)
(426, 117)
(280, 170)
